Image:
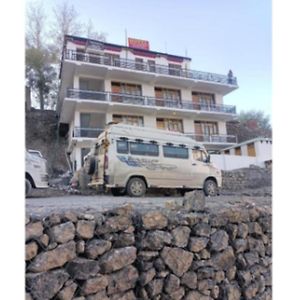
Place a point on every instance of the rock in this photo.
(159, 264)
(156, 240)
(98, 296)
(257, 245)
(251, 258)
(240, 245)
(219, 240)
(28, 297)
(52, 220)
(122, 280)
(96, 247)
(155, 287)
(230, 273)
(116, 259)
(255, 229)
(244, 278)
(194, 295)
(143, 266)
(54, 258)
(243, 230)
(224, 260)
(232, 230)
(67, 292)
(232, 292)
(69, 216)
(189, 279)
(202, 229)
(172, 284)
(114, 224)
(205, 273)
(33, 230)
(181, 236)
(31, 250)
(176, 295)
(44, 286)
(43, 241)
(147, 255)
(85, 229)
(125, 296)
(154, 220)
(80, 246)
(194, 201)
(94, 285)
(146, 277)
(251, 291)
(177, 259)
(82, 268)
(219, 276)
(124, 240)
(124, 210)
(62, 233)
(197, 244)
(215, 292)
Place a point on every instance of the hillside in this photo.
(41, 134)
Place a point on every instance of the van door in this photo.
(99, 156)
(199, 168)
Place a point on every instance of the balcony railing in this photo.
(215, 138)
(148, 101)
(87, 132)
(151, 68)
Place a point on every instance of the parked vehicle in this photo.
(130, 159)
(36, 175)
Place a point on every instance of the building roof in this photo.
(257, 139)
(108, 45)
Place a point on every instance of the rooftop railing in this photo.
(151, 68)
(148, 101)
(214, 138)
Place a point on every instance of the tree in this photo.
(249, 125)
(91, 33)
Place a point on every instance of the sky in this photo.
(218, 35)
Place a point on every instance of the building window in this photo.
(167, 97)
(237, 151)
(205, 130)
(129, 120)
(121, 92)
(203, 101)
(227, 152)
(169, 124)
(174, 69)
(151, 65)
(175, 152)
(143, 149)
(112, 59)
(251, 149)
(139, 64)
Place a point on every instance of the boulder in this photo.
(181, 236)
(189, 279)
(194, 201)
(62, 233)
(96, 247)
(197, 244)
(82, 268)
(223, 260)
(219, 240)
(154, 220)
(156, 240)
(85, 229)
(33, 230)
(94, 285)
(31, 250)
(172, 284)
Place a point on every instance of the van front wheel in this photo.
(28, 187)
(210, 188)
(136, 187)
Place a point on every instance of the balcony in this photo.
(149, 68)
(149, 101)
(87, 132)
(213, 139)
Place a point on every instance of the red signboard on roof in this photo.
(139, 44)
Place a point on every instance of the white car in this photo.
(36, 175)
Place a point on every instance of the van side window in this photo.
(199, 155)
(143, 149)
(122, 147)
(176, 152)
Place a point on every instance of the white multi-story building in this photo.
(103, 82)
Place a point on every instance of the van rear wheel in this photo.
(136, 187)
(210, 188)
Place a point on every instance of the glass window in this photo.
(176, 152)
(199, 155)
(143, 149)
(122, 147)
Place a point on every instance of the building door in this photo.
(251, 150)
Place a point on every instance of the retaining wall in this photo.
(168, 254)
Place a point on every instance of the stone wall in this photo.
(167, 254)
(247, 178)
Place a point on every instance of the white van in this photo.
(36, 175)
(132, 159)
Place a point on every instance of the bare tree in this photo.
(35, 25)
(65, 22)
(91, 33)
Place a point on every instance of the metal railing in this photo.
(151, 68)
(87, 132)
(214, 138)
(148, 101)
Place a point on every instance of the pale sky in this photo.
(218, 35)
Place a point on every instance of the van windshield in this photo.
(199, 155)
